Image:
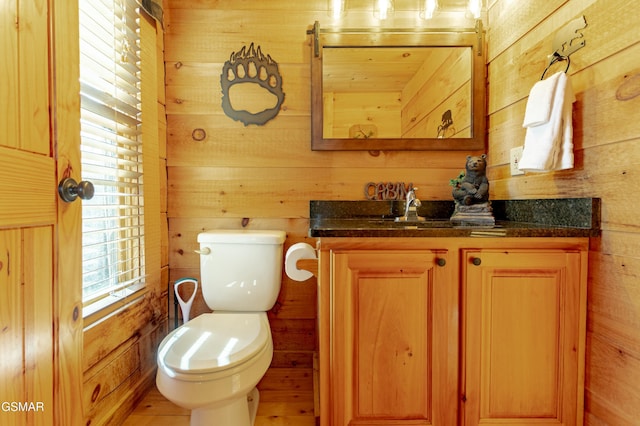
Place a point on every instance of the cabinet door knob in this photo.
(441, 262)
(476, 261)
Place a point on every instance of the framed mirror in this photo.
(398, 90)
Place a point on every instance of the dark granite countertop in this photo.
(567, 217)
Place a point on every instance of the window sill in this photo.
(112, 303)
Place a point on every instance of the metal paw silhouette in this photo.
(251, 86)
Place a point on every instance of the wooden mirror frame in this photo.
(473, 38)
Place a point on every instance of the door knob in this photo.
(69, 190)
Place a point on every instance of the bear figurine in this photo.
(474, 188)
(471, 196)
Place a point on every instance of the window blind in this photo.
(111, 149)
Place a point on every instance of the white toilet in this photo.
(212, 364)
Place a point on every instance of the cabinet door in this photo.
(394, 340)
(523, 337)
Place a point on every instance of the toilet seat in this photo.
(214, 342)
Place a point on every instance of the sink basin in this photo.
(390, 223)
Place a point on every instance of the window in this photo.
(111, 150)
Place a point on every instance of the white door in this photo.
(40, 254)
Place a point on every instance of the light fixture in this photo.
(337, 8)
(475, 7)
(427, 8)
(383, 9)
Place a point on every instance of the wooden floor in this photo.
(286, 398)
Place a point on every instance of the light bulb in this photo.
(383, 9)
(337, 8)
(428, 8)
(475, 7)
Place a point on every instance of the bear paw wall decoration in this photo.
(251, 86)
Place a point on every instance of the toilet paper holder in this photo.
(301, 262)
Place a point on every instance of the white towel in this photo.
(549, 146)
(540, 102)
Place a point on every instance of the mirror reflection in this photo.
(396, 92)
(398, 89)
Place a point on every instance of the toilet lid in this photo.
(214, 342)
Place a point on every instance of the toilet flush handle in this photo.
(205, 251)
(185, 306)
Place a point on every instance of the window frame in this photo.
(130, 288)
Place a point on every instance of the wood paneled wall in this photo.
(262, 177)
(606, 78)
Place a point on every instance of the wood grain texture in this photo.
(389, 320)
(68, 297)
(607, 157)
(34, 84)
(27, 327)
(10, 71)
(286, 398)
(26, 192)
(524, 336)
(519, 40)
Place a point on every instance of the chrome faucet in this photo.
(411, 208)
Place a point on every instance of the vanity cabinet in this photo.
(451, 331)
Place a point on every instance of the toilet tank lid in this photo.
(242, 236)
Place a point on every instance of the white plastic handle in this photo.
(185, 306)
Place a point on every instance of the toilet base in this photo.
(239, 412)
(253, 399)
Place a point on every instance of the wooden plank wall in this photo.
(262, 177)
(119, 356)
(606, 78)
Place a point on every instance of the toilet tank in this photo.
(241, 270)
